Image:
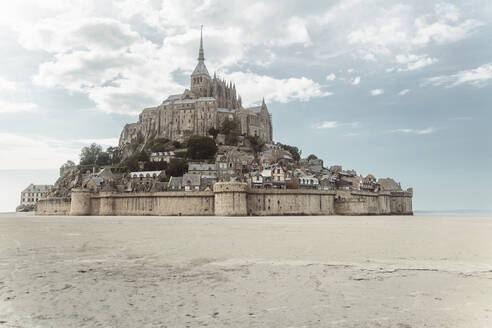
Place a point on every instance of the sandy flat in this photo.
(245, 272)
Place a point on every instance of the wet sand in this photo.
(420, 271)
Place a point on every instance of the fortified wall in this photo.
(230, 199)
(54, 206)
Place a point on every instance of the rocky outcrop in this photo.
(69, 174)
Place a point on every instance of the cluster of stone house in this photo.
(278, 170)
(164, 156)
(33, 193)
(273, 168)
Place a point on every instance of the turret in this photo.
(200, 77)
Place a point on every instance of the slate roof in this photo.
(175, 182)
(37, 188)
(190, 179)
(226, 110)
(255, 109)
(187, 101)
(202, 167)
(200, 69)
(144, 174)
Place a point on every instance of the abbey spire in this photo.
(200, 68)
(201, 56)
(200, 76)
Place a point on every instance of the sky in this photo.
(396, 89)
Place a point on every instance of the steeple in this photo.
(200, 77)
(200, 68)
(201, 56)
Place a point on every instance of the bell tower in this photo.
(200, 77)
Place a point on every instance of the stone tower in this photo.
(200, 78)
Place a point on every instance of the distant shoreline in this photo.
(453, 212)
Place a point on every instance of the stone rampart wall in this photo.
(231, 199)
(369, 203)
(159, 203)
(290, 202)
(53, 206)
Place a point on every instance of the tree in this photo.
(213, 132)
(103, 159)
(177, 167)
(294, 151)
(312, 156)
(200, 148)
(131, 163)
(228, 127)
(177, 144)
(142, 156)
(157, 145)
(256, 144)
(181, 153)
(231, 130)
(89, 154)
(155, 166)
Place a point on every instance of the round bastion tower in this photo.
(200, 78)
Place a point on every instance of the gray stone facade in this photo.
(208, 102)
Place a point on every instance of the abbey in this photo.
(207, 103)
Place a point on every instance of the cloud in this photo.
(7, 107)
(377, 92)
(29, 152)
(55, 35)
(120, 80)
(330, 77)
(326, 125)
(356, 81)
(462, 118)
(336, 124)
(252, 87)
(399, 29)
(414, 62)
(415, 131)
(126, 56)
(447, 12)
(477, 77)
(37, 152)
(441, 32)
(103, 142)
(379, 36)
(6, 85)
(403, 92)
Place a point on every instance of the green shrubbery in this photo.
(94, 155)
(296, 153)
(177, 167)
(201, 148)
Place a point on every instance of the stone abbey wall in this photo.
(231, 199)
